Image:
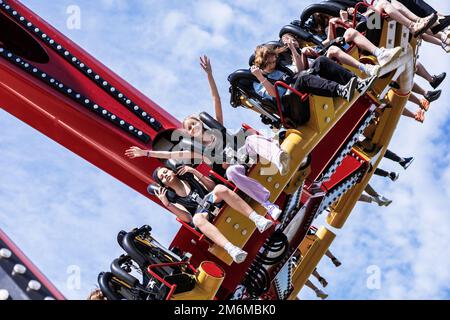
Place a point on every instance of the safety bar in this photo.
(222, 179)
(363, 4)
(172, 287)
(303, 97)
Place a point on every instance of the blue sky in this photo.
(64, 212)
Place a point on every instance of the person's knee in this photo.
(220, 190)
(199, 220)
(333, 52)
(350, 35)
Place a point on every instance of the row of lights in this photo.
(348, 148)
(102, 83)
(338, 192)
(18, 270)
(77, 97)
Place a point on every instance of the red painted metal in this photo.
(30, 266)
(303, 97)
(68, 123)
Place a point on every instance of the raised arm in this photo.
(257, 72)
(298, 58)
(136, 152)
(205, 63)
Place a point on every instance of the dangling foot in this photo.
(336, 262)
(422, 25)
(382, 201)
(394, 176)
(371, 70)
(320, 294)
(282, 161)
(406, 162)
(236, 253)
(387, 55)
(443, 23)
(348, 91)
(437, 80)
(419, 116)
(273, 210)
(323, 282)
(424, 104)
(365, 84)
(432, 96)
(263, 224)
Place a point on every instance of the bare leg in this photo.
(394, 13)
(342, 57)
(222, 193)
(209, 230)
(405, 11)
(330, 255)
(413, 98)
(352, 35)
(371, 191)
(418, 89)
(316, 274)
(431, 39)
(311, 285)
(423, 72)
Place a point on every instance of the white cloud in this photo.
(47, 201)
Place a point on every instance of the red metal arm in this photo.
(220, 178)
(172, 287)
(363, 4)
(303, 97)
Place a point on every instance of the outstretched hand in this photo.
(135, 152)
(185, 169)
(205, 63)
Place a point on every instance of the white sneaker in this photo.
(237, 254)
(281, 161)
(263, 224)
(372, 70)
(273, 210)
(387, 55)
(320, 294)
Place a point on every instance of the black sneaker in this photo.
(348, 91)
(406, 162)
(437, 80)
(442, 24)
(394, 176)
(432, 95)
(365, 84)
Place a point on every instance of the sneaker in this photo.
(424, 104)
(394, 176)
(406, 162)
(387, 55)
(443, 23)
(419, 116)
(433, 95)
(372, 70)
(437, 80)
(382, 201)
(336, 262)
(362, 85)
(273, 210)
(237, 254)
(445, 47)
(322, 295)
(423, 24)
(323, 282)
(282, 162)
(348, 91)
(263, 224)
